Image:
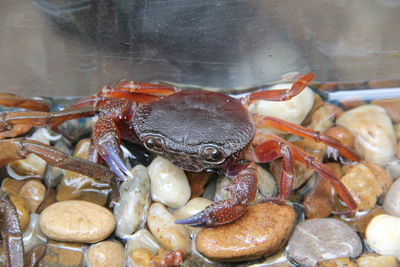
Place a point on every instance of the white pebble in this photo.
(32, 235)
(383, 235)
(142, 239)
(169, 184)
(375, 139)
(131, 210)
(294, 110)
(162, 225)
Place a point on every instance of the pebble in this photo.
(294, 110)
(361, 220)
(381, 174)
(317, 240)
(106, 253)
(22, 210)
(142, 239)
(320, 201)
(343, 135)
(391, 106)
(377, 261)
(339, 262)
(197, 182)
(33, 191)
(81, 221)
(375, 139)
(130, 211)
(322, 118)
(169, 184)
(75, 186)
(362, 185)
(32, 236)
(162, 225)
(49, 199)
(63, 254)
(140, 257)
(391, 204)
(261, 231)
(383, 235)
(12, 186)
(32, 165)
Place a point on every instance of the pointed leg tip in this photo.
(197, 220)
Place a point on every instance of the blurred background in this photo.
(73, 47)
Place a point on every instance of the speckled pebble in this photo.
(106, 253)
(261, 231)
(323, 239)
(162, 225)
(76, 221)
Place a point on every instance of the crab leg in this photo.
(280, 95)
(243, 189)
(271, 148)
(18, 148)
(15, 101)
(107, 137)
(267, 121)
(13, 124)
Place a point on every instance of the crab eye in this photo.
(212, 155)
(155, 144)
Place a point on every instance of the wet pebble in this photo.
(169, 184)
(162, 225)
(362, 185)
(391, 204)
(381, 174)
(322, 118)
(383, 235)
(32, 165)
(377, 261)
(294, 110)
(130, 211)
(32, 236)
(317, 240)
(375, 138)
(80, 187)
(141, 257)
(63, 254)
(261, 231)
(106, 253)
(33, 192)
(76, 221)
(142, 239)
(342, 134)
(320, 201)
(22, 210)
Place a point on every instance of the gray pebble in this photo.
(323, 239)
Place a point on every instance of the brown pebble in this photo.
(33, 192)
(362, 185)
(63, 254)
(49, 199)
(320, 202)
(360, 222)
(197, 181)
(342, 134)
(339, 262)
(106, 253)
(381, 174)
(263, 229)
(377, 261)
(22, 210)
(141, 257)
(12, 185)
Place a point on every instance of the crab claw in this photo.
(216, 214)
(110, 154)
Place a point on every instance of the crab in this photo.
(195, 129)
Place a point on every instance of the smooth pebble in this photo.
(142, 239)
(375, 139)
(162, 225)
(383, 235)
(169, 184)
(106, 253)
(76, 221)
(317, 240)
(33, 192)
(391, 204)
(130, 211)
